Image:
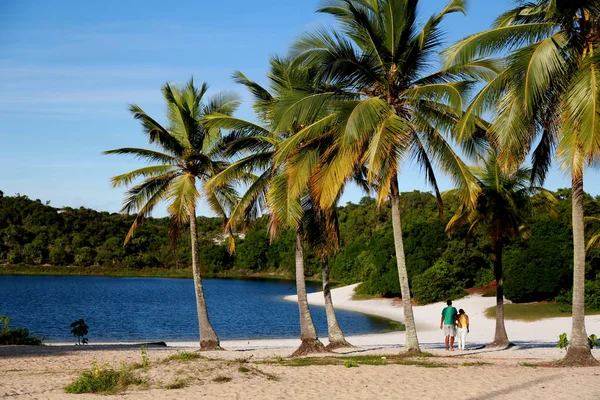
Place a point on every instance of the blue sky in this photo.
(69, 69)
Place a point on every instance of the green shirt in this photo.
(449, 313)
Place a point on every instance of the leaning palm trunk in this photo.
(500, 337)
(412, 342)
(308, 333)
(336, 336)
(208, 337)
(578, 351)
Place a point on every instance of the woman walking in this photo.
(462, 323)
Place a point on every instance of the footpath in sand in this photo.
(261, 369)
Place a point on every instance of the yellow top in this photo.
(462, 320)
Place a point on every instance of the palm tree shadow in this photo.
(510, 389)
(515, 346)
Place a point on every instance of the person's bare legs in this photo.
(447, 341)
(452, 343)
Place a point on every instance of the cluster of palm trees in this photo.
(353, 103)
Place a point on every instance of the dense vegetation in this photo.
(16, 336)
(539, 268)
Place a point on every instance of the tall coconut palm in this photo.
(504, 203)
(269, 182)
(324, 239)
(548, 94)
(186, 160)
(381, 53)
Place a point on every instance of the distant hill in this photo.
(33, 233)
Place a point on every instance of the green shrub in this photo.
(103, 379)
(350, 364)
(593, 340)
(438, 283)
(592, 295)
(563, 342)
(16, 336)
(539, 268)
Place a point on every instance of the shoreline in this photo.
(167, 273)
(542, 333)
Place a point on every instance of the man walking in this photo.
(447, 323)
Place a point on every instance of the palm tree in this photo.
(324, 239)
(548, 94)
(503, 205)
(271, 184)
(187, 160)
(380, 54)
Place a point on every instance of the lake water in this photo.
(159, 309)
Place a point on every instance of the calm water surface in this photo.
(159, 309)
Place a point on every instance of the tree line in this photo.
(538, 268)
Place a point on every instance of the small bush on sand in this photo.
(184, 356)
(16, 336)
(350, 364)
(103, 379)
(563, 342)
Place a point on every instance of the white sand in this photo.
(427, 319)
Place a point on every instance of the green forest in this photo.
(35, 237)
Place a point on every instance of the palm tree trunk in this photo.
(578, 351)
(412, 341)
(500, 337)
(308, 333)
(208, 337)
(336, 336)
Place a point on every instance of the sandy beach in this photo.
(261, 369)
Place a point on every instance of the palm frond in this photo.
(490, 42)
(146, 155)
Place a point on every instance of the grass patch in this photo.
(243, 370)
(489, 293)
(183, 356)
(534, 311)
(221, 379)
(103, 379)
(526, 364)
(419, 363)
(269, 376)
(392, 326)
(178, 384)
(475, 364)
(354, 361)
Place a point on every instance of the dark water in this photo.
(159, 309)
